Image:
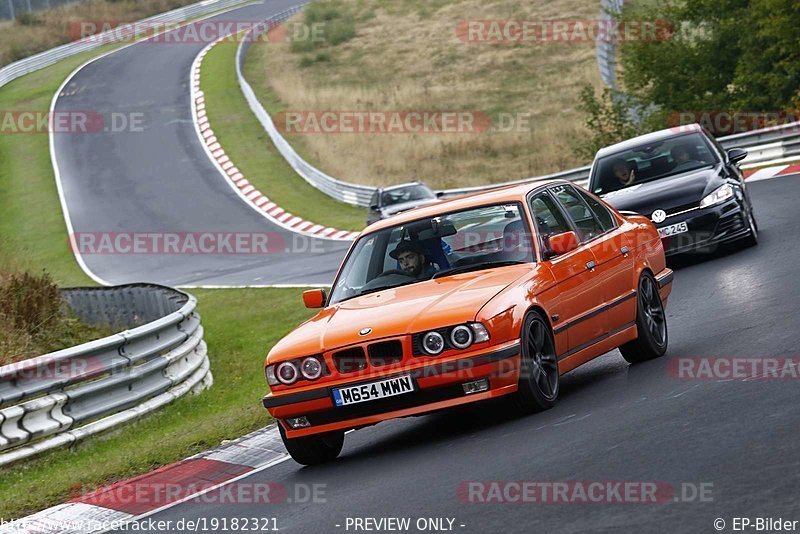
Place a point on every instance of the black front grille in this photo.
(350, 360)
(385, 352)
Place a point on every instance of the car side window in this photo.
(607, 220)
(585, 220)
(548, 218)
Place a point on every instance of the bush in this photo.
(28, 18)
(329, 24)
(35, 320)
(608, 120)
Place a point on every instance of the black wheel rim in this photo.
(654, 318)
(542, 358)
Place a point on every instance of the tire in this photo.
(313, 450)
(538, 378)
(651, 324)
(751, 239)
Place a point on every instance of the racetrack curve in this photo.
(160, 181)
(612, 422)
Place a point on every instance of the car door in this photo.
(598, 230)
(579, 291)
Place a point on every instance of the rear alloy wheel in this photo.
(313, 450)
(538, 377)
(751, 239)
(651, 324)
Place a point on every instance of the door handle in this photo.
(624, 251)
(591, 265)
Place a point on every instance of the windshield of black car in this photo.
(653, 161)
(416, 251)
(406, 194)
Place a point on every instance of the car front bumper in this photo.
(708, 228)
(438, 385)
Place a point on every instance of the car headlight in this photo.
(721, 194)
(433, 343)
(287, 373)
(272, 380)
(311, 368)
(480, 332)
(461, 336)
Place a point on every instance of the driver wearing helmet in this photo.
(410, 255)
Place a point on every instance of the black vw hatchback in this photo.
(685, 182)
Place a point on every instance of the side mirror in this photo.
(439, 194)
(736, 154)
(314, 298)
(374, 207)
(563, 242)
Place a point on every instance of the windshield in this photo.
(651, 162)
(406, 194)
(477, 238)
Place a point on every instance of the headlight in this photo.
(311, 368)
(721, 194)
(461, 337)
(433, 343)
(481, 334)
(287, 373)
(272, 380)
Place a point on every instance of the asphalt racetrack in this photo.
(155, 179)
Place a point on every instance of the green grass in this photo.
(249, 147)
(240, 327)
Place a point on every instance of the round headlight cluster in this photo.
(433, 343)
(311, 368)
(288, 373)
(461, 337)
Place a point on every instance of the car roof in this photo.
(648, 138)
(508, 193)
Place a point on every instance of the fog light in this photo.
(476, 387)
(298, 422)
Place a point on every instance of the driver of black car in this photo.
(411, 257)
(682, 157)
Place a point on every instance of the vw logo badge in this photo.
(659, 216)
(365, 332)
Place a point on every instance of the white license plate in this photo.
(374, 390)
(673, 229)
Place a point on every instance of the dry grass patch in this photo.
(42, 30)
(406, 56)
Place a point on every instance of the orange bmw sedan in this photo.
(494, 294)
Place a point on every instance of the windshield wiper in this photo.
(477, 267)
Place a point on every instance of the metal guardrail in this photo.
(764, 145)
(25, 66)
(56, 399)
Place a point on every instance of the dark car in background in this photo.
(685, 182)
(388, 201)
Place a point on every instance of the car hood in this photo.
(403, 310)
(666, 193)
(405, 206)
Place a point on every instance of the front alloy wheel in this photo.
(651, 324)
(538, 377)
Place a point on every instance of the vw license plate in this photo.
(673, 229)
(374, 390)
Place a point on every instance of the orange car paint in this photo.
(587, 295)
